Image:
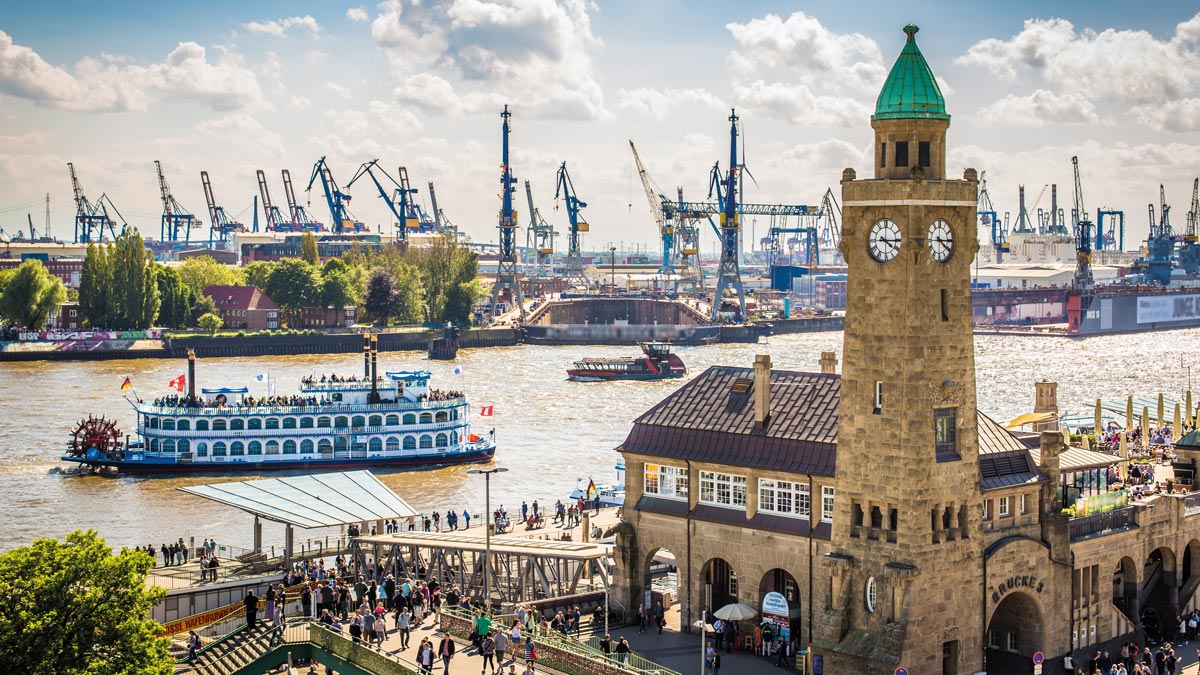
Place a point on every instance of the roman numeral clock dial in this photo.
(883, 241)
(941, 240)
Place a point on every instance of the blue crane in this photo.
(92, 218)
(1083, 281)
(1189, 250)
(508, 283)
(729, 275)
(666, 228)
(397, 201)
(176, 220)
(337, 200)
(566, 190)
(221, 224)
(1112, 239)
(1160, 243)
(989, 218)
(539, 236)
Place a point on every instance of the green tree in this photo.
(445, 265)
(74, 608)
(410, 295)
(134, 282)
(32, 295)
(200, 306)
(308, 249)
(211, 323)
(460, 302)
(258, 272)
(201, 272)
(95, 288)
(339, 288)
(5, 277)
(379, 303)
(294, 284)
(176, 300)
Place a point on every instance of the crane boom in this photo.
(566, 190)
(666, 229)
(396, 202)
(163, 190)
(1194, 213)
(274, 218)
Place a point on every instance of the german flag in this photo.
(126, 384)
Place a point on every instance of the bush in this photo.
(210, 322)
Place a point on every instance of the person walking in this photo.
(193, 645)
(425, 656)
(488, 649)
(280, 603)
(660, 617)
(404, 623)
(530, 653)
(306, 601)
(501, 642)
(467, 517)
(251, 603)
(623, 650)
(269, 612)
(641, 618)
(446, 651)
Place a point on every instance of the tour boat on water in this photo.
(610, 494)
(658, 363)
(333, 422)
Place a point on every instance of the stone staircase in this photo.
(233, 652)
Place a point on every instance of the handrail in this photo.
(251, 434)
(314, 408)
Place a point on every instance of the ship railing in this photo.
(359, 452)
(314, 408)
(258, 434)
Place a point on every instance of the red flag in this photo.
(177, 383)
(485, 411)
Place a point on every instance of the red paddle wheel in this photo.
(95, 432)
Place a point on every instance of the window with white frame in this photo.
(666, 481)
(784, 497)
(987, 509)
(826, 504)
(1024, 508)
(723, 489)
(1012, 642)
(1004, 507)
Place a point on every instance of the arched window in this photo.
(272, 423)
(151, 422)
(325, 446)
(426, 418)
(410, 442)
(441, 440)
(340, 443)
(153, 445)
(218, 425)
(375, 445)
(358, 422)
(218, 449)
(393, 444)
(168, 424)
(341, 421)
(183, 425)
(442, 416)
(453, 438)
(289, 423)
(183, 445)
(201, 425)
(255, 448)
(237, 448)
(307, 423)
(306, 447)
(254, 423)
(168, 446)
(323, 422)
(454, 414)
(289, 447)
(410, 419)
(392, 420)
(237, 424)
(375, 421)
(202, 449)
(426, 441)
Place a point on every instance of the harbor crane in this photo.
(276, 222)
(831, 228)
(729, 275)
(176, 220)
(508, 281)
(1083, 281)
(666, 228)
(1160, 243)
(1113, 238)
(579, 225)
(540, 237)
(397, 201)
(1189, 247)
(92, 218)
(988, 218)
(337, 201)
(440, 222)
(221, 224)
(299, 215)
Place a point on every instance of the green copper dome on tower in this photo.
(910, 92)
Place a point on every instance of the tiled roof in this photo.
(240, 297)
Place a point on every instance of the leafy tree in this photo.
(200, 306)
(175, 310)
(201, 272)
(294, 284)
(95, 287)
(74, 608)
(380, 300)
(460, 302)
(134, 282)
(5, 277)
(410, 294)
(211, 323)
(445, 265)
(339, 288)
(258, 272)
(308, 249)
(32, 295)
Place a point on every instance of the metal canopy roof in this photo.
(322, 500)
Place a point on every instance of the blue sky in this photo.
(233, 87)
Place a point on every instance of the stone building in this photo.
(903, 527)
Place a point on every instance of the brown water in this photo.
(550, 431)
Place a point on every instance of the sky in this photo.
(232, 87)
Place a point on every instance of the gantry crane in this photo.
(508, 280)
(397, 201)
(989, 218)
(666, 228)
(729, 275)
(221, 223)
(175, 218)
(440, 222)
(1189, 248)
(91, 218)
(539, 237)
(337, 201)
(276, 221)
(1160, 243)
(831, 218)
(566, 190)
(300, 217)
(1083, 281)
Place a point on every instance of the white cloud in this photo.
(339, 89)
(1039, 109)
(797, 104)
(660, 103)
(430, 92)
(391, 118)
(1180, 115)
(244, 132)
(186, 73)
(279, 28)
(356, 14)
(1131, 65)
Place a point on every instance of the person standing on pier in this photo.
(251, 603)
(467, 517)
(280, 604)
(269, 613)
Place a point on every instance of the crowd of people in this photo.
(292, 401)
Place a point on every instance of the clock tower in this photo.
(906, 548)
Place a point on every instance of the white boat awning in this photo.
(322, 500)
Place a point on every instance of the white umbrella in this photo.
(736, 612)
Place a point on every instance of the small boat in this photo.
(657, 363)
(610, 494)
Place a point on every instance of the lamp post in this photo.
(612, 252)
(488, 525)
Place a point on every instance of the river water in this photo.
(550, 431)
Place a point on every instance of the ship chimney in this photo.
(366, 354)
(374, 398)
(191, 374)
(829, 363)
(762, 391)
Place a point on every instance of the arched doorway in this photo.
(1125, 588)
(660, 583)
(1161, 603)
(720, 584)
(1191, 560)
(1014, 634)
(780, 581)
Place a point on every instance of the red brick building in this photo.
(244, 307)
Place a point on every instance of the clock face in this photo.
(883, 242)
(941, 240)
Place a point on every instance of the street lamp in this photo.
(612, 251)
(488, 525)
